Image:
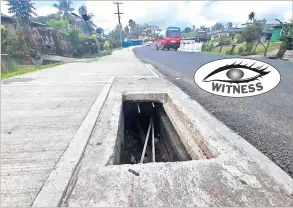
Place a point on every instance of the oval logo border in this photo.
(280, 77)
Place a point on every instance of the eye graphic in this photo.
(237, 73)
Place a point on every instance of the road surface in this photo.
(265, 121)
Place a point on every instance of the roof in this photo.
(32, 23)
(266, 31)
(226, 30)
(6, 17)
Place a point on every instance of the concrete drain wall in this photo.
(163, 144)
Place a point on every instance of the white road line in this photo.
(56, 184)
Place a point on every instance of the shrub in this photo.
(240, 50)
(228, 52)
(240, 39)
(14, 65)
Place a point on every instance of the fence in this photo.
(190, 46)
(131, 43)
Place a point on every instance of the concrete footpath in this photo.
(61, 134)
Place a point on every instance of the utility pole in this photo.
(118, 14)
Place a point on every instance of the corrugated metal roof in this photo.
(225, 30)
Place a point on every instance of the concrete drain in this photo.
(149, 135)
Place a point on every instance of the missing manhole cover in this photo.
(137, 118)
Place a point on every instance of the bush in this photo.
(248, 48)
(228, 52)
(14, 65)
(240, 39)
(240, 50)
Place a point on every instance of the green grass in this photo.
(188, 35)
(273, 46)
(27, 70)
(259, 50)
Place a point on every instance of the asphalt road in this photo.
(265, 121)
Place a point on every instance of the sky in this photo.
(174, 13)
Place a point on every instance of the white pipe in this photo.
(146, 142)
(138, 108)
(153, 142)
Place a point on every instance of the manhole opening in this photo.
(142, 117)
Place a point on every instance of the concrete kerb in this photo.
(56, 184)
(263, 161)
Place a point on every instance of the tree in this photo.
(187, 30)
(114, 37)
(229, 24)
(22, 10)
(193, 28)
(99, 30)
(45, 19)
(136, 30)
(132, 24)
(88, 25)
(127, 31)
(251, 16)
(286, 37)
(252, 33)
(64, 7)
(82, 10)
(224, 41)
(218, 26)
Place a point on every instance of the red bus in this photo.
(169, 38)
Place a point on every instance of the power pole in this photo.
(118, 14)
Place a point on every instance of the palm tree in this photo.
(132, 24)
(251, 16)
(82, 10)
(229, 24)
(22, 10)
(64, 7)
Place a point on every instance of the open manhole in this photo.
(148, 135)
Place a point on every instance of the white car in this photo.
(148, 43)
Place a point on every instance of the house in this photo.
(266, 35)
(224, 32)
(276, 33)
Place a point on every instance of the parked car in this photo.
(169, 38)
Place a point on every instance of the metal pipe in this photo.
(138, 108)
(153, 142)
(153, 104)
(146, 141)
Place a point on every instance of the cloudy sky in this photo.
(175, 13)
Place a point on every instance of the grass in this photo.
(100, 54)
(190, 34)
(259, 50)
(27, 70)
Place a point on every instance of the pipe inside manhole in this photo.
(149, 135)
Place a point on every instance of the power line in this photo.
(119, 17)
